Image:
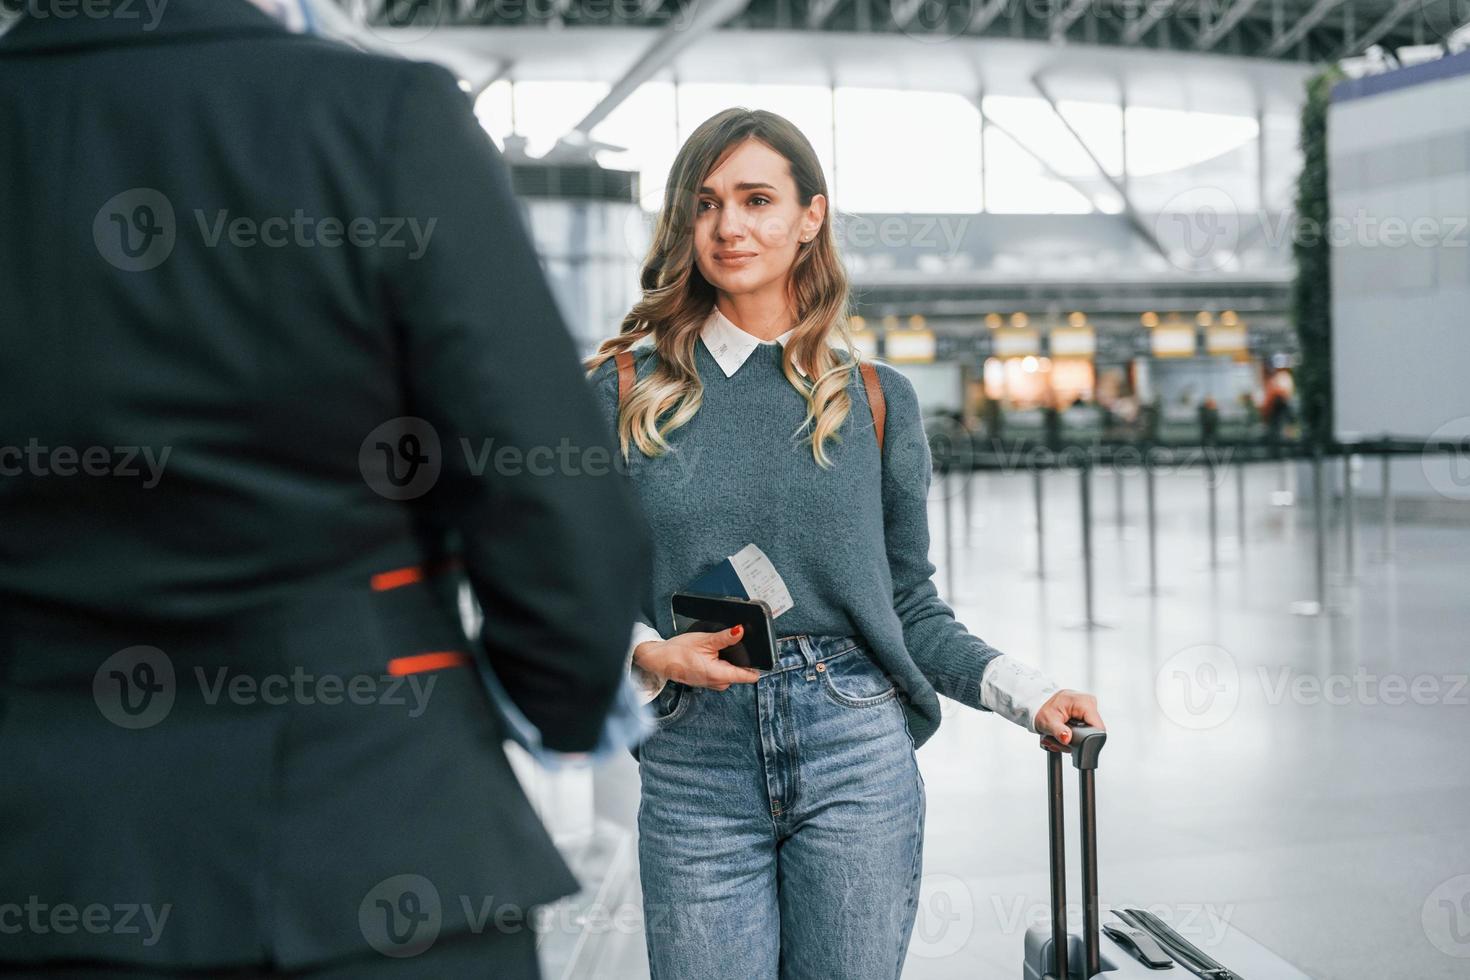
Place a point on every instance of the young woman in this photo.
(782, 813)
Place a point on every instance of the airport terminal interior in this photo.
(1075, 221)
(1181, 286)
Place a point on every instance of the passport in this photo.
(747, 574)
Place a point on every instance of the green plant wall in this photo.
(1311, 295)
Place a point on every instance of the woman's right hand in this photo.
(694, 659)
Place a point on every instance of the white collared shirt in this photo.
(731, 346)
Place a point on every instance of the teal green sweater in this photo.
(851, 542)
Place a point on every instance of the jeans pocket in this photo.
(855, 680)
(672, 703)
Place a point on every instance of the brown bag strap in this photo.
(627, 374)
(875, 401)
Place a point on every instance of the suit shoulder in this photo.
(426, 77)
(341, 92)
(391, 70)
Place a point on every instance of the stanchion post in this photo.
(1118, 495)
(1349, 514)
(1040, 527)
(1214, 514)
(1153, 526)
(1387, 504)
(1240, 503)
(969, 477)
(1319, 520)
(1084, 475)
(948, 536)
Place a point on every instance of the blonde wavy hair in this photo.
(677, 298)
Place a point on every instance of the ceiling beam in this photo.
(819, 11)
(1069, 16)
(665, 48)
(1381, 27)
(904, 11)
(1152, 14)
(1224, 25)
(1051, 171)
(985, 15)
(1130, 213)
(1305, 23)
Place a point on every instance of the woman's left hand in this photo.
(1052, 717)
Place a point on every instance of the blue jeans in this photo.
(781, 825)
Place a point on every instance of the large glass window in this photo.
(542, 112)
(1180, 161)
(906, 151)
(891, 150)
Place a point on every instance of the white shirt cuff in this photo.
(1015, 690)
(649, 684)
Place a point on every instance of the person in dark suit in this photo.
(280, 372)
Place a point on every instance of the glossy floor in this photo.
(1302, 778)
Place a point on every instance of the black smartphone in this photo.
(756, 648)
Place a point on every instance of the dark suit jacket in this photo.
(180, 634)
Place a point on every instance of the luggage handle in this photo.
(1085, 748)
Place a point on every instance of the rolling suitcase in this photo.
(1122, 949)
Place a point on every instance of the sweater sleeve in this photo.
(604, 382)
(950, 656)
